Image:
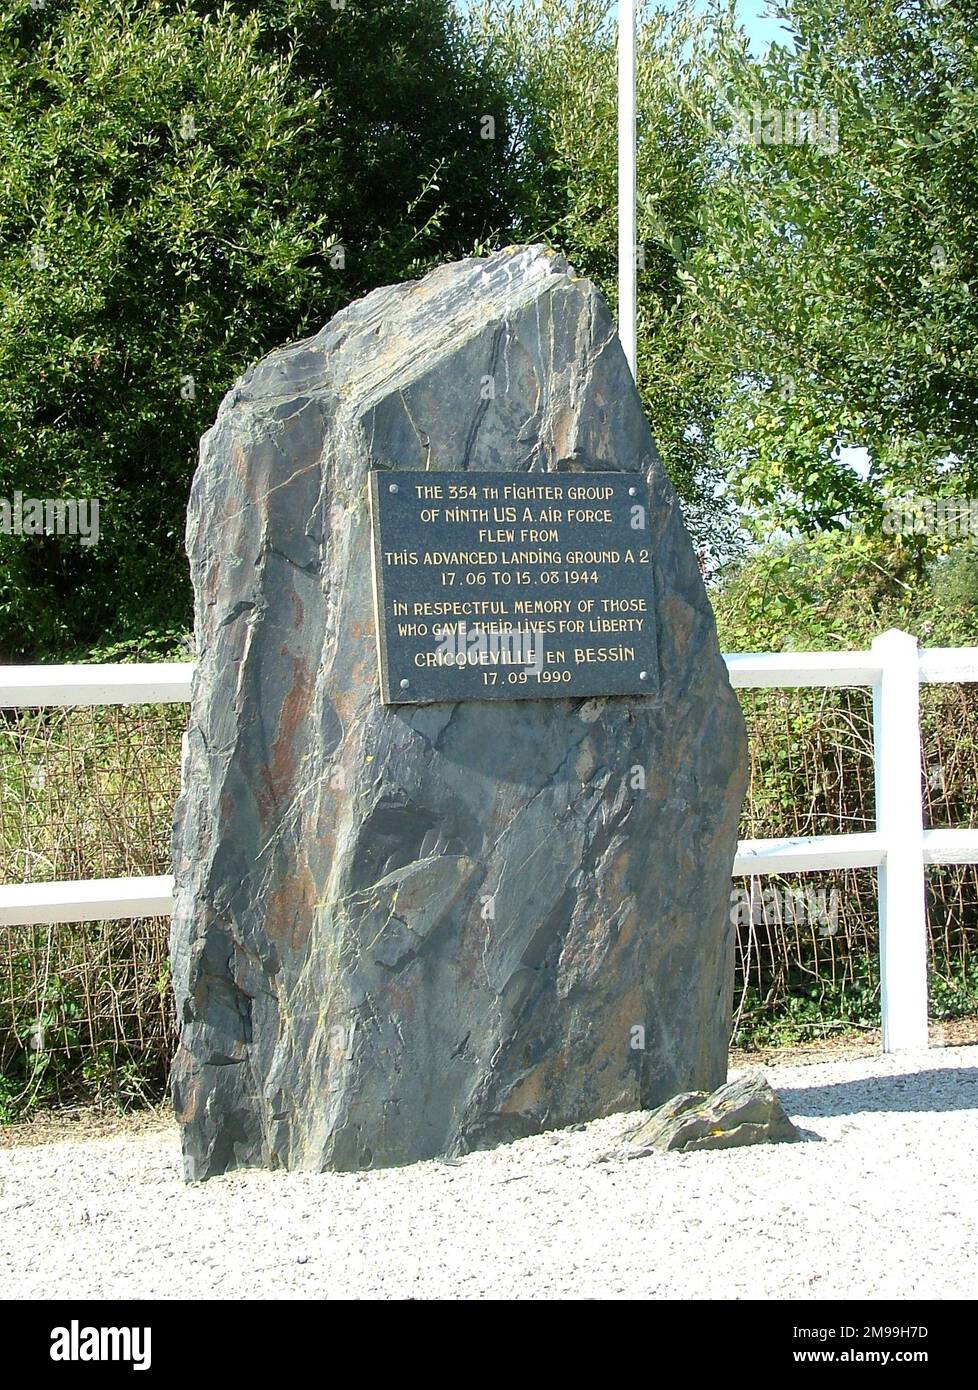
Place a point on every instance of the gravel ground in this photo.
(880, 1202)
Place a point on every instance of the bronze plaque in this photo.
(512, 586)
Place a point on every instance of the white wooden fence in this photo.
(899, 849)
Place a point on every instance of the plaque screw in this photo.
(392, 488)
(642, 675)
(405, 683)
(632, 491)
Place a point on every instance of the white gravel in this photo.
(879, 1203)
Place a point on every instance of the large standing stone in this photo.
(409, 931)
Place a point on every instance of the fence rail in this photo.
(899, 849)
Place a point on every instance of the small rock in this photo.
(746, 1111)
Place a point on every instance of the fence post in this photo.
(900, 820)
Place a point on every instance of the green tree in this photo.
(184, 187)
(832, 276)
(832, 592)
(558, 61)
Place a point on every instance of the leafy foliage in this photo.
(832, 278)
(183, 188)
(839, 591)
(812, 765)
(558, 61)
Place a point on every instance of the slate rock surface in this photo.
(402, 932)
(746, 1111)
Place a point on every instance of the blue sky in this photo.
(760, 25)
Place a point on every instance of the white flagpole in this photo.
(627, 223)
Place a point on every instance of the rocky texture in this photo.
(745, 1111)
(409, 931)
